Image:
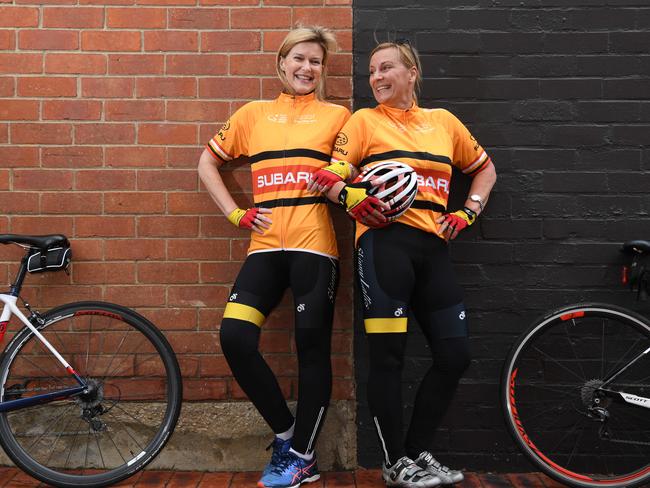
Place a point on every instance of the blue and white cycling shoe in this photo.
(290, 472)
(280, 447)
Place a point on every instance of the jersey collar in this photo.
(399, 112)
(288, 98)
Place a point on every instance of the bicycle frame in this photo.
(621, 396)
(9, 300)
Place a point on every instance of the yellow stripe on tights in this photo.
(243, 312)
(377, 326)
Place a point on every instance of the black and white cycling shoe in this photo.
(447, 476)
(406, 474)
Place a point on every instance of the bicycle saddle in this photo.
(637, 246)
(41, 242)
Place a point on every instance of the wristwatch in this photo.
(477, 198)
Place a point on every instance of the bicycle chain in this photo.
(622, 441)
(11, 392)
(603, 433)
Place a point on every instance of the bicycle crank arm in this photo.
(39, 399)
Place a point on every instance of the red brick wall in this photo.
(104, 108)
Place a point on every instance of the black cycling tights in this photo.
(259, 287)
(405, 271)
(450, 359)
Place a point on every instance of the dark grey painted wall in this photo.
(558, 92)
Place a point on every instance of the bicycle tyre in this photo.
(115, 430)
(547, 387)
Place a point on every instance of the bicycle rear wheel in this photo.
(550, 386)
(109, 433)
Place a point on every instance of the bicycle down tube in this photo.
(10, 309)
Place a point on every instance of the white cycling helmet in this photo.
(399, 185)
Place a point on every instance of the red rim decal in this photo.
(99, 312)
(572, 315)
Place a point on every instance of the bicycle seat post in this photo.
(20, 277)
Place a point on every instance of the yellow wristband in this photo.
(341, 169)
(235, 216)
(465, 216)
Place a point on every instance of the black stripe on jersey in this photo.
(426, 205)
(291, 202)
(215, 154)
(405, 154)
(479, 167)
(290, 153)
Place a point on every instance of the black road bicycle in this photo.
(575, 389)
(90, 392)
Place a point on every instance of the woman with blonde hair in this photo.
(404, 266)
(292, 246)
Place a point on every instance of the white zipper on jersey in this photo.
(287, 131)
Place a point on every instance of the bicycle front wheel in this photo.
(554, 399)
(115, 428)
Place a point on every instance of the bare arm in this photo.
(209, 173)
(482, 185)
(211, 178)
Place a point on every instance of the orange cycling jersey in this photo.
(431, 141)
(286, 140)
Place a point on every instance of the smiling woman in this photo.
(403, 266)
(292, 246)
(301, 69)
(395, 77)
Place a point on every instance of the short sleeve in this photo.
(469, 156)
(231, 141)
(350, 140)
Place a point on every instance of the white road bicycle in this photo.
(575, 389)
(90, 392)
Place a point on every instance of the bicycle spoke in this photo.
(575, 445)
(88, 343)
(554, 390)
(87, 442)
(58, 438)
(134, 418)
(117, 371)
(99, 449)
(623, 359)
(115, 354)
(58, 338)
(602, 349)
(117, 449)
(566, 332)
(125, 428)
(48, 375)
(53, 423)
(121, 368)
(74, 440)
(553, 360)
(632, 428)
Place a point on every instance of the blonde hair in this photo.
(409, 57)
(315, 33)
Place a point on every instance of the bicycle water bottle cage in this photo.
(637, 274)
